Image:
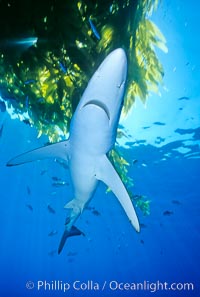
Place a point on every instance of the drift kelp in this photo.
(42, 82)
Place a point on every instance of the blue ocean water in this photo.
(164, 139)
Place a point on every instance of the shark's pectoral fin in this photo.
(55, 150)
(106, 173)
(72, 232)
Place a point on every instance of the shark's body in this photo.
(92, 134)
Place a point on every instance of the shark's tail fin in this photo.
(73, 231)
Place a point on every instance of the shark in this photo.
(92, 135)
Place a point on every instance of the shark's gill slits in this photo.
(99, 104)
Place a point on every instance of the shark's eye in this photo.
(100, 105)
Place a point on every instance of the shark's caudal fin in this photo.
(106, 173)
(56, 150)
(73, 232)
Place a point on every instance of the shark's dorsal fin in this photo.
(55, 150)
(106, 173)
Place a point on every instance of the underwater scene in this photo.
(99, 148)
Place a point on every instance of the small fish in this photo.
(60, 183)
(1, 131)
(28, 190)
(94, 30)
(176, 202)
(159, 123)
(93, 210)
(55, 178)
(30, 81)
(62, 67)
(168, 213)
(146, 127)
(184, 98)
(62, 163)
(27, 122)
(27, 102)
(142, 241)
(134, 161)
(50, 209)
(29, 207)
(2, 106)
(136, 197)
(52, 233)
(96, 213)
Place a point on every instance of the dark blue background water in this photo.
(167, 172)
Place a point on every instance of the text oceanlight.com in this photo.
(113, 285)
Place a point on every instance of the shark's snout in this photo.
(116, 65)
(119, 54)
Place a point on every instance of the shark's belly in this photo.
(91, 136)
(82, 171)
(91, 131)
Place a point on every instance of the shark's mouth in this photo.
(100, 105)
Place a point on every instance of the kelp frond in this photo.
(42, 83)
(121, 166)
(145, 70)
(46, 80)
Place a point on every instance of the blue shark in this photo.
(92, 135)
